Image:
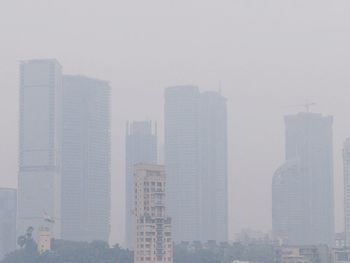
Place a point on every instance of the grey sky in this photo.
(266, 54)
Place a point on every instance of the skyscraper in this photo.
(213, 166)
(85, 159)
(39, 144)
(346, 165)
(196, 163)
(141, 147)
(309, 142)
(8, 212)
(153, 238)
(182, 161)
(288, 222)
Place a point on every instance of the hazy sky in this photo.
(266, 55)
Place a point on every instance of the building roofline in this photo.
(68, 76)
(29, 61)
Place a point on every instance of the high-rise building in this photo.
(287, 210)
(196, 163)
(39, 144)
(8, 212)
(213, 167)
(153, 239)
(182, 161)
(86, 157)
(346, 165)
(309, 143)
(141, 147)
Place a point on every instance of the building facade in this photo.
(8, 213)
(182, 161)
(141, 147)
(196, 163)
(287, 211)
(302, 254)
(44, 240)
(39, 144)
(346, 167)
(213, 167)
(86, 175)
(153, 238)
(309, 142)
(340, 255)
(339, 240)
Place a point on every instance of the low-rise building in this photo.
(340, 255)
(44, 240)
(251, 236)
(302, 254)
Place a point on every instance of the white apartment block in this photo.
(153, 239)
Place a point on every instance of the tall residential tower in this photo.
(153, 238)
(141, 147)
(309, 144)
(182, 161)
(196, 163)
(213, 167)
(39, 144)
(288, 222)
(86, 175)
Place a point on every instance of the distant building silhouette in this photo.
(8, 213)
(39, 144)
(86, 156)
(141, 147)
(182, 161)
(303, 254)
(153, 237)
(346, 165)
(306, 186)
(288, 220)
(213, 167)
(196, 163)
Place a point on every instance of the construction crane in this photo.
(306, 105)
